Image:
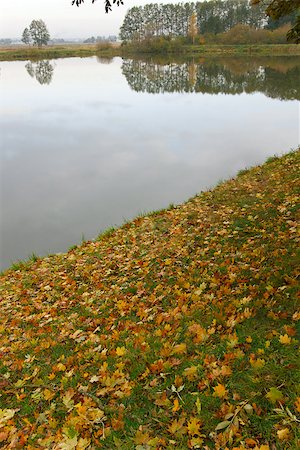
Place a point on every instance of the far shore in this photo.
(21, 53)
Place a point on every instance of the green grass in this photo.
(158, 332)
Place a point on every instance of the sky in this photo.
(64, 20)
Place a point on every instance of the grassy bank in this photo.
(178, 330)
(60, 51)
(65, 51)
(169, 47)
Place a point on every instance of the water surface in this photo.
(87, 144)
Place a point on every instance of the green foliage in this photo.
(279, 10)
(36, 34)
(39, 33)
(26, 36)
(188, 19)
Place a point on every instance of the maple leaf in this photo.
(179, 349)
(284, 339)
(94, 379)
(141, 438)
(177, 426)
(283, 434)
(274, 395)
(67, 444)
(193, 426)
(176, 406)
(6, 415)
(190, 372)
(83, 443)
(219, 391)
(67, 399)
(257, 363)
(48, 395)
(120, 351)
(297, 404)
(3, 436)
(196, 442)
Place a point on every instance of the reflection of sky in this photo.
(86, 152)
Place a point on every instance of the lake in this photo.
(89, 143)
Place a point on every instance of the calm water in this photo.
(89, 143)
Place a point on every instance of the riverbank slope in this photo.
(177, 330)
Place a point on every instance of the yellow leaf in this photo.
(120, 351)
(67, 399)
(284, 339)
(179, 349)
(176, 406)
(5, 415)
(196, 442)
(60, 367)
(190, 372)
(68, 443)
(249, 339)
(141, 438)
(283, 434)
(83, 443)
(48, 395)
(257, 363)
(219, 391)
(193, 426)
(225, 371)
(176, 426)
(264, 447)
(297, 404)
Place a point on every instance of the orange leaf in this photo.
(176, 406)
(219, 391)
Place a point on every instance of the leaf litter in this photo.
(177, 330)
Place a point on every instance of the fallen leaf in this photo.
(219, 391)
(274, 395)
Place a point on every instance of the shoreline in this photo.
(65, 51)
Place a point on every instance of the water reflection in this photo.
(276, 78)
(42, 71)
(87, 152)
(105, 59)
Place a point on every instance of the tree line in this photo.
(184, 19)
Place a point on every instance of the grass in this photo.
(178, 330)
(22, 53)
(85, 50)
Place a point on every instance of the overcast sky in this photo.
(62, 19)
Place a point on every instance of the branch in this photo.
(107, 3)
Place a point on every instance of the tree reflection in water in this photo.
(275, 77)
(42, 71)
